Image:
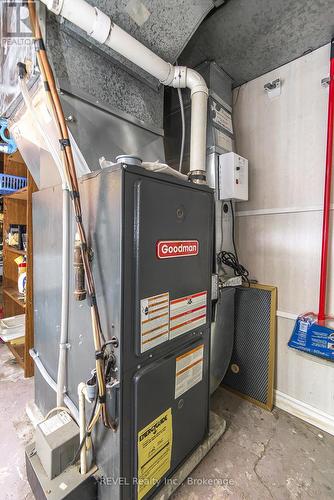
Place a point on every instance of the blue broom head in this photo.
(311, 337)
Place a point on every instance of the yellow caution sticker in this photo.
(154, 452)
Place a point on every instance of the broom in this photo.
(310, 333)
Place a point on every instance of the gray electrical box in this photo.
(56, 443)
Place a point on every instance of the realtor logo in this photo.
(15, 25)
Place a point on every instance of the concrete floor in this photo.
(261, 456)
(15, 428)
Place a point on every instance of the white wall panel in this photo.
(299, 374)
(284, 140)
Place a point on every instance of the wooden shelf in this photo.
(18, 352)
(15, 296)
(21, 194)
(15, 250)
(17, 208)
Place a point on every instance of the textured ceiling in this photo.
(165, 26)
(248, 38)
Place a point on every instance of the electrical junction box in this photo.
(56, 442)
(233, 177)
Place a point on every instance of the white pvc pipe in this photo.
(179, 93)
(61, 376)
(82, 427)
(198, 131)
(49, 380)
(123, 43)
(100, 27)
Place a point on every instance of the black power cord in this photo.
(233, 231)
(231, 260)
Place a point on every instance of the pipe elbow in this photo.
(184, 77)
(195, 82)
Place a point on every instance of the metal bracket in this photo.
(325, 82)
(273, 88)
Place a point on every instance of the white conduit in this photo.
(82, 427)
(49, 380)
(63, 342)
(100, 27)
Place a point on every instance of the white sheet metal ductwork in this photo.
(100, 27)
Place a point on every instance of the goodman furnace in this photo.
(151, 238)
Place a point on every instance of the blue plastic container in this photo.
(309, 336)
(11, 183)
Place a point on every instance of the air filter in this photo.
(251, 371)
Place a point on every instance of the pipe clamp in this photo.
(180, 77)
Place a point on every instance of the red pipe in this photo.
(327, 193)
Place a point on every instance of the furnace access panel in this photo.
(167, 242)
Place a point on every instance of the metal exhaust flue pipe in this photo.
(100, 27)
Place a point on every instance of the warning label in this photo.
(154, 452)
(187, 313)
(154, 321)
(223, 140)
(54, 423)
(189, 370)
(222, 117)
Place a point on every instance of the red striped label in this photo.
(187, 313)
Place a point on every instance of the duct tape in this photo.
(180, 77)
(137, 11)
(101, 26)
(55, 6)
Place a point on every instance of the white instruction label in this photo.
(154, 321)
(54, 423)
(222, 118)
(223, 141)
(187, 313)
(189, 370)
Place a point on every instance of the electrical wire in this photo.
(54, 410)
(87, 433)
(179, 93)
(69, 168)
(233, 231)
(229, 259)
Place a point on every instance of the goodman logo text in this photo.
(169, 249)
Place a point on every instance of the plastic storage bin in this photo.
(11, 183)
